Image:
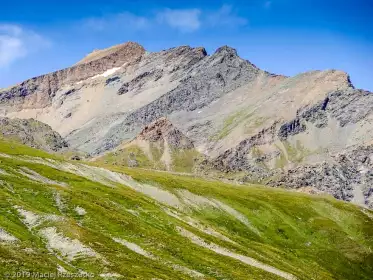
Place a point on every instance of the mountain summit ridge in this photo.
(38, 91)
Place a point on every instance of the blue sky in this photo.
(281, 36)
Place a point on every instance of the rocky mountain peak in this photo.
(226, 50)
(39, 91)
(117, 50)
(163, 130)
(229, 55)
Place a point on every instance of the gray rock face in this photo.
(236, 159)
(140, 80)
(346, 106)
(350, 106)
(347, 174)
(205, 82)
(291, 128)
(349, 177)
(32, 133)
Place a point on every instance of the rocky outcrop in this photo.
(347, 106)
(162, 130)
(38, 92)
(349, 176)
(136, 83)
(159, 145)
(32, 133)
(236, 159)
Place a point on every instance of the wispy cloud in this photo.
(17, 42)
(225, 16)
(189, 20)
(124, 20)
(183, 20)
(186, 20)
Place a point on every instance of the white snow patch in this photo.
(134, 247)
(69, 248)
(106, 73)
(6, 237)
(80, 211)
(225, 252)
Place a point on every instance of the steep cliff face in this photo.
(39, 91)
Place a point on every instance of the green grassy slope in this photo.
(180, 160)
(145, 224)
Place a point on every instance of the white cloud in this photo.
(123, 20)
(17, 42)
(225, 16)
(183, 20)
(186, 20)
